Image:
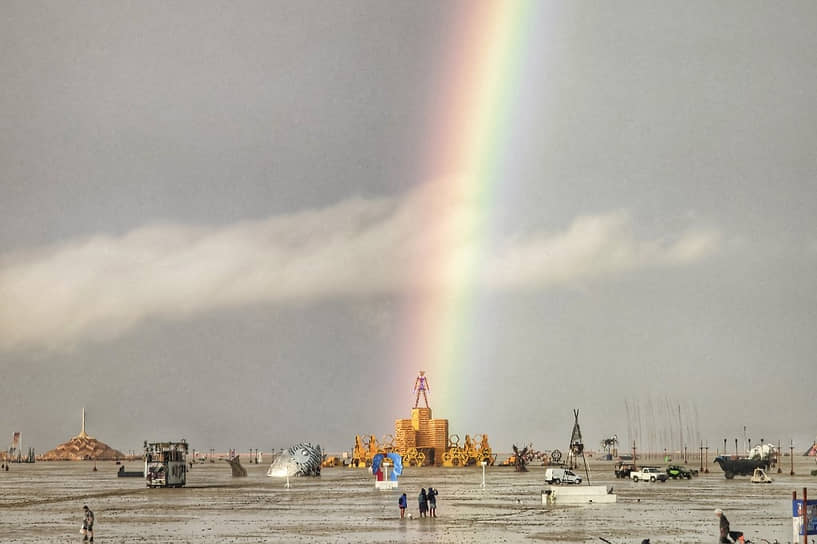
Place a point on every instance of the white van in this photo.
(561, 476)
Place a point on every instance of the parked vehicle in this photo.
(676, 471)
(166, 464)
(740, 466)
(649, 474)
(623, 470)
(561, 476)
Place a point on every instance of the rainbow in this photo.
(471, 111)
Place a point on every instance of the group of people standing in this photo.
(427, 501)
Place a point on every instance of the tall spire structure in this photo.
(82, 433)
(83, 447)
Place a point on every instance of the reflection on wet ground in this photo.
(43, 503)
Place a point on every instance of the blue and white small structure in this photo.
(389, 467)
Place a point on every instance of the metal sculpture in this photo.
(610, 444)
(763, 451)
(577, 447)
(302, 459)
(475, 451)
(414, 458)
(421, 386)
(530, 455)
(358, 454)
(520, 456)
(235, 465)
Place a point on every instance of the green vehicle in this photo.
(675, 472)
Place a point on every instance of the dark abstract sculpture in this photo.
(520, 458)
(238, 470)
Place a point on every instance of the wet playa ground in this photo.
(43, 503)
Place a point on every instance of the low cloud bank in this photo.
(100, 286)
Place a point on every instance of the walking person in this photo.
(403, 503)
(423, 500)
(432, 502)
(725, 533)
(88, 524)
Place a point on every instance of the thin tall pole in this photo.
(706, 449)
(586, 470)
(681, 434)
(805, 516)
(777, 455)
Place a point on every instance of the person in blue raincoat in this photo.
(403, 503)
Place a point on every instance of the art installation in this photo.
(557, 494)
(302, 459)
(396, 462)
(763, 451)
(82, 447)
(812, 451)
(610, 444)
(423, 440)
(526, 455)
(421, 386)
(520, 458)
(237, 468)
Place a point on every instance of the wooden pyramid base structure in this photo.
(83, 447)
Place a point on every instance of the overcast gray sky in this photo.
(212, 215)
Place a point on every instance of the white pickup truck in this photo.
(648, 474)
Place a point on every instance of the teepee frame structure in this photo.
(577, 447)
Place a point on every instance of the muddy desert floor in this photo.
(43, 503)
